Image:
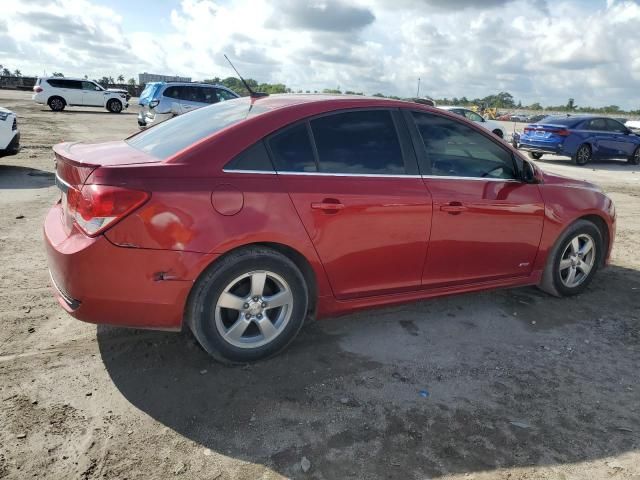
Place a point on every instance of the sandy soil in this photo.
(518, 385)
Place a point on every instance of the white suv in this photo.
(59, 92)
(9, 133)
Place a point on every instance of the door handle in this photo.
(453, 208)
(329, 205)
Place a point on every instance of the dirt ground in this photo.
(515, 384)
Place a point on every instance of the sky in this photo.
(538, 50)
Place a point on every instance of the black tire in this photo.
(552, 281)
(535, 155)
(56, 104)
(498, 133)
(114, 105)
(583, 154)
(203, 302)
(635, 158)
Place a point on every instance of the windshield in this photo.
(168, 138)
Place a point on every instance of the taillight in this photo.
(37, 89)
(97, 207)
(563, 133)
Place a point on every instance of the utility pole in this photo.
(418, 92)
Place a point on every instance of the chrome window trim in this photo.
(259, 172)
(366, 175)
(376, 175)
(61, 184)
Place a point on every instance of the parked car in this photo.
(536, 118)
(60, 92)
(632, 124)
(9, 133)
(491, 125)
(160, 101)
(243, 218)
(583, 138)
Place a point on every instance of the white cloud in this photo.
(538, 51)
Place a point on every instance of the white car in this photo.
(490, 125)
(9, 133)
(59, 92)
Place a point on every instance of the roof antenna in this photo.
(252, 94)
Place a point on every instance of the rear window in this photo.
(558, 120)
(168, 138)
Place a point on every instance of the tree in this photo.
(120, 78)
(17, 73)
(6, 72)
(131, 81)
(571, 105)
(332, 90)
(535, 106)
(111, 80)
(60, 74)
(104, 81)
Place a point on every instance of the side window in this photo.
(73, 84)
(459, 151)
(291, 150)
(54, 83)
(89, 86)
(208, 95)
(363, 142)
(172, 92)
(596, 124)
(615, 126)
(224, 95)
(253, 158)
(473, 116)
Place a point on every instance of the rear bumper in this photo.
(532, 146)
(13, 146)
(98, 282)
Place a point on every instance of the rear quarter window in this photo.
(170, 137)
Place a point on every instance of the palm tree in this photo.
(120, 78)
(131, 81)
(6, 72)
(17, 73)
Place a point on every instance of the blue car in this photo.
(583, 138)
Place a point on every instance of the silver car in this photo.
(161, 101)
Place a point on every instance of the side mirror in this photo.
(528, 173)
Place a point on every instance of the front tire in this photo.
(635, 158)
(535, 155)
(574, 260)
(114, 106)
(249, 306)
(583, 155)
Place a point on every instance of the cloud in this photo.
(326, 16)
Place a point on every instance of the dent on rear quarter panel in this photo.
(180, 216)
(563, 206)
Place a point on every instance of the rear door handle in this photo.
(329, 205)
(453, 208)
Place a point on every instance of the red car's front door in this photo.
(357, 190)
(486, 223)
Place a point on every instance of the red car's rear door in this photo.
(354, 181)
(486, 223)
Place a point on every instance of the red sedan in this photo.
(244, 218)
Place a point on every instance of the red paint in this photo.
(369, 241)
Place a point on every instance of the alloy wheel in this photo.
(577, 260)
(56, 104)
(583, 155)
(253, 309)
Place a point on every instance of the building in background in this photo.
(153, 77)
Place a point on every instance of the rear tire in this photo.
(114, 106)
(57, 104)
(231, 309)
(579, 248)
(583, 155)
(635, 158)
(535, 155)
